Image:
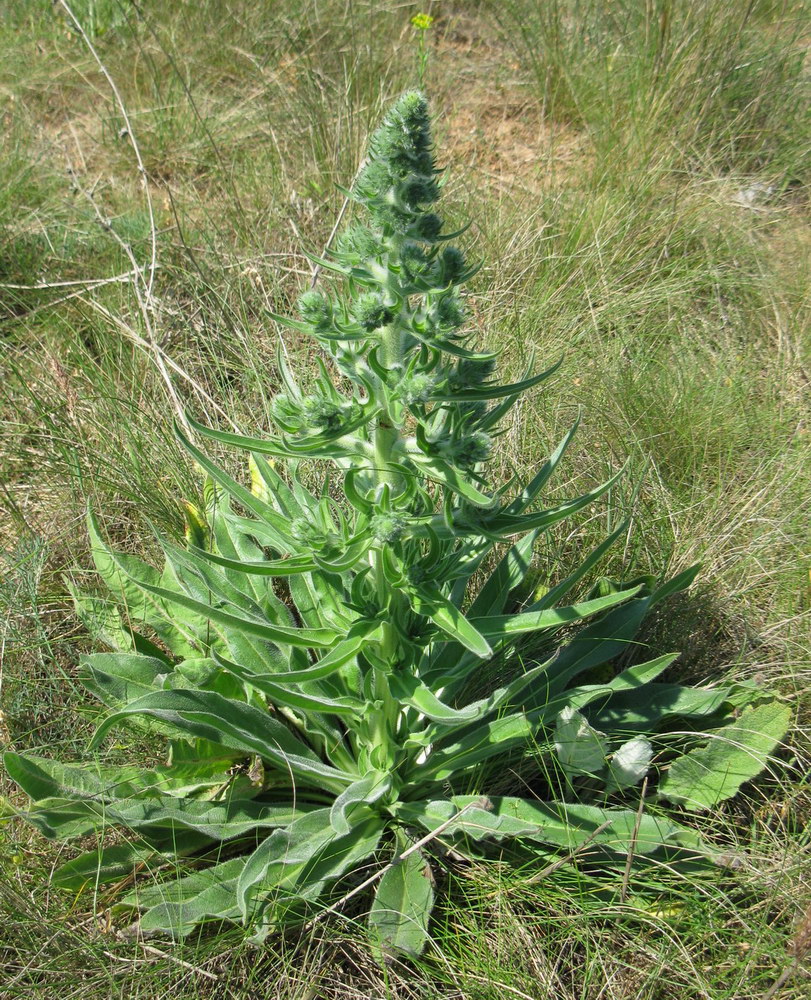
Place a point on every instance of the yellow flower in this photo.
(422, 22)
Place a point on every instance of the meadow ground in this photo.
(636, 174)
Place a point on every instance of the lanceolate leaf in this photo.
(734, 754)
(209, 716)
(402, 907)
(41, 778)
(369, 789)
(507, 575)
(486, 740)
(533, 488)
(175, 907)
(559, 824)
(555, 594)
(265, 567)
(340, 654)
(510, 524)
(497, 391)
(118, 678)
(283, 694)
(434, 605)
(630, 712)
(106, 864)
(274, 868)
(503, 626)
(274, 633)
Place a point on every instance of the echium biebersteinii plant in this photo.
(310, 658)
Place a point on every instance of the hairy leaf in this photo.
(402, 906)
(733, 755)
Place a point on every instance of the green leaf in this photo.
(598, 643)
(437, 469)
(121, 581)
(430, 601)
(278, 690)
(559, 824)
(207, 715)
(580, 748)
(103, 865)
(264, 630)
(402, 907)
(559, 591)
(635, 677)
(489, 390)
(533, 488)
(339, 656)
(101, 617)
(64, 818)
(507, 575)
(119, 678)
(641, 710)
(176, 907)
(504, 626)
(629, 764)
(511, 524)
(41, 778)
(264, 567)
(367, 790)
(485, 740)
(411, 691)
(735, 754)
(674, 586)
(308, 853)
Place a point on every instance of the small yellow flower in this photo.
(422, 22)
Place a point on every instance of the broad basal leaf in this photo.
(560, 824)
(703, 778)
(402, 907)
(176, 906)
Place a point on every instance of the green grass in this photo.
(637, 175)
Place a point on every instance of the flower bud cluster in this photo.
(415, 388)
(361, 243)
(315, 308)
(371, 312)
(313, 414)
(400, 179)
(388, 528)
(396, 328)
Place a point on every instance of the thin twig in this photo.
(560, 862)
(145, 299)
(83, 282)
(781, 981)
(626, 878)
(158, 351)
(186, 965)
(136, 149)
(800, 947)
(44, 305)
(146, 309)
(162, 954)
(478, 804)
